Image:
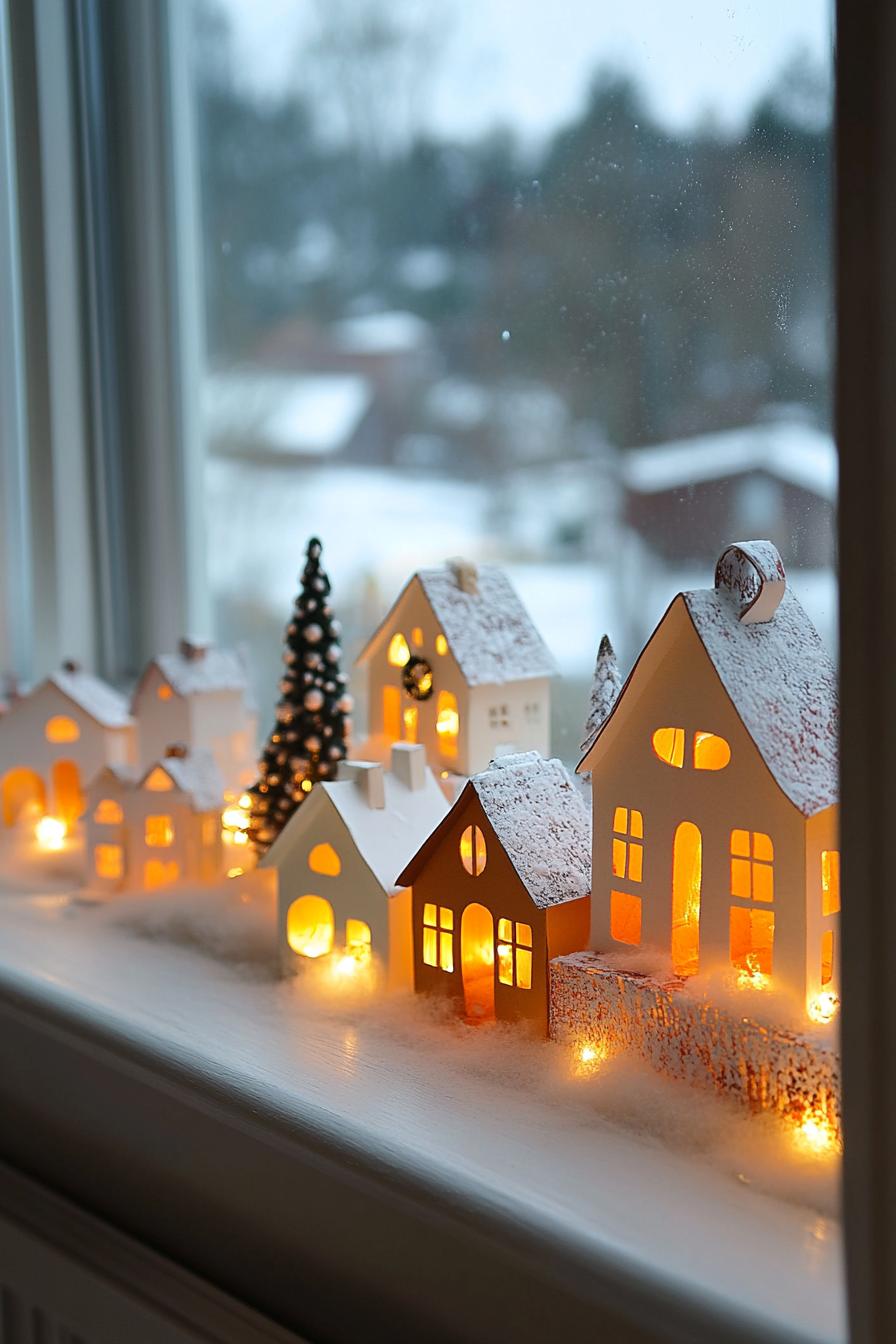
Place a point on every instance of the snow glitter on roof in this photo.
(542, 822)
(213, 670)
(95, 697)
(196, 775)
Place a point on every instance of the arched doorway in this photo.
(23, 793)
(477, 955)
(310, 926)
(687, 877)
(68, 800)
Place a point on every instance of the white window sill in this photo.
(348, 1184)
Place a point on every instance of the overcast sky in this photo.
(526, 63)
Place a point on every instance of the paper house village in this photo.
(677, 895)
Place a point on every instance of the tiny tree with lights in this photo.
(310, 735)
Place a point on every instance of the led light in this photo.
(50, 833)
(816, 1133)
(824, 1007)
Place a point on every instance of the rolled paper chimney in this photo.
(466, 575)
(71, 665)
(752, 574)
(179, 750)
(409, 764)
(192, 649)
(369, 779)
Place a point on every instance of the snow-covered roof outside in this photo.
(213, 670)
(380, 333)
(783, 685)
(792, 450)
(312, 414)
(196, 775)
(95, 697)
(542, 822)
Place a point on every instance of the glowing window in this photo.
(159, 781)
(472, 851)
(398, 652)
(409, 719)
(687, 880)
(625, 917)
(752, 871)
(392, 712)
(323, 859)
(210, 830)
(159, 872)
(108, 861)
(830, 881)
(515, 953)
(438, 936)
(752, 936)
(710, 752)
(108, 812)
(441, 645)
(310, 926)
(417, 636)
(628, 852)
(447, 723)
(668, 743)
(61, 729)
(357, 939)
(159, 832)
(164, 692)
(827, 957)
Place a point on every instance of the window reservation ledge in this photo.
(340, 1187)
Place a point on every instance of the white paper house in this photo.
(337, 859)
(162, 825)
(56, 738)
(199, 696)
(458, 666)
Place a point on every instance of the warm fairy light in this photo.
(235, 821)
(398, 652)
(448, 723)
(346, 965)
(50, 833)
(751, 975)
(307, 785)
(588, 1056)
(815, 1132)
(824, 1007)
(234, 872)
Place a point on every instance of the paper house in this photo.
(500, 888)
(458, 666)
(198, 696)
(337, 858)
(56, 738)
(715, 790)
(147, 829)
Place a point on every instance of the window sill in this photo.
(344, 1186)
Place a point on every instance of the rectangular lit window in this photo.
(108, 861)
(827, 957)
(752, 936)
(625, 917)
(830, 881)
(752, 870)
(159, 832)
(438, 936)
(628, 851)
(515, 953)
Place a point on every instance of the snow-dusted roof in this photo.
(314, 414)
(380, 333)
(488, 630)
(541, 821)
(790, 449)
(213, 670)
(95, 697)
(386, 838)
(196, 775)
(123, 775)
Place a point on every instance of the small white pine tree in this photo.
(604, 689)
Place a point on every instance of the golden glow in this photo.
(68, 801)
(235, 872)
(310, 926)
(159, 832)
(398, 652)
(830, 881)
(752, 871)
(751, 975)
(61, 729)
(164, 692)
(628, 857)
(417, 636)
(50, 833)
(824, 1007)
(307, 785)
(472, 850)
(505, 963)
(447, 723)
(687, 878)
(159, 872)
(108, 861)
(816, 1133)
(710, 752)
(392, 712)
(441, 645)
(515, 954)
(23, 792)
(827, 956)
(159, 781)
(625, 917)
(357, 940)
(477, 938)
(409, 719)
(108, 812)
(438, 937)
(752, 936)
(588, 1057)
(323, 859)
(668, 743)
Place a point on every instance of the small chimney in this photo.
(180, 750)
(369, 778)
(192, 650)
(752, 574)
(466, 576)
(71, 665)
(409, 764)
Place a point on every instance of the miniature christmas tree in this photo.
(604, 689)
(310, 735)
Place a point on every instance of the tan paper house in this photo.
(54, 739)
(198, 696)
(337, 858)
(146, 830)
(458, 666)
(500, 888)
(715, 785)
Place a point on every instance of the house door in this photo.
(68, 801)
(392, 713)
(687, 876)
(477, 955)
